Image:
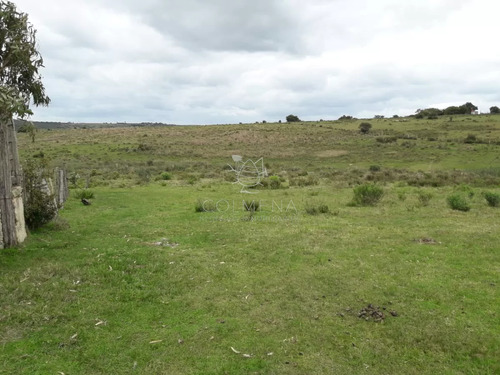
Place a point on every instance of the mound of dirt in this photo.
(375, 313)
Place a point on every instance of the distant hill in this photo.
(83, 125)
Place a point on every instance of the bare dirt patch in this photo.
(375, 313)
(426, 240)
(331, 153)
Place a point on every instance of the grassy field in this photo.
(139, 282)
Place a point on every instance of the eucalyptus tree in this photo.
(20, 61)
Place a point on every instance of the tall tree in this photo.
(20, 85)
(20, 61)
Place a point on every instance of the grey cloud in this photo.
(222, 25)
(229, 61)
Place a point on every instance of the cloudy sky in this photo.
(226, 61)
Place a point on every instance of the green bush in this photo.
(274, 182)
(365, 127)
(493, 199)
(251, 206)
(367, 195)
(458, 202)
(39, 206)
(464, 188)
(204, 206)
(316, 208)
(374, 168)
(166, 176)
(84, 194)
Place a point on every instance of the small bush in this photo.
(464, 188)
(84, 194)
(458, 202)
(274, 182)
(166, 176)
(367, 195)
(316, 208)
(204, 206)
(493, 199)
(374, 168)
(39, 205)
(365, 127)
(251, 206)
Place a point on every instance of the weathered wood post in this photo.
(13, 230)
(62, 190)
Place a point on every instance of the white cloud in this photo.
(193, 61)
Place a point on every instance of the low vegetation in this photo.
(367, 195)
(458, 202)
(185, 275)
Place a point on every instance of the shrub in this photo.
(367, 195)
(204, 206)
(316, 208)
(274, 182)
(84, 194)
(464, 188)
(251, 206)
(493, 199)
(39, 204)
(165, 176)
(374, 168)
(458, 202)
(365, 127)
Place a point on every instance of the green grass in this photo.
(285, 283)
(140, 282)
(120, 156)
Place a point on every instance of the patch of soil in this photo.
(426, 240)
(331, 153)
(375, 313)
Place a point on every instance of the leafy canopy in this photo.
(20, 80)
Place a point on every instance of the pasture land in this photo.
(139, 282)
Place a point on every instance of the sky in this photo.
(230, 61)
